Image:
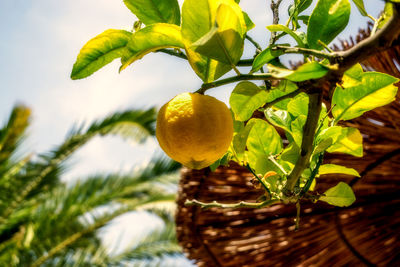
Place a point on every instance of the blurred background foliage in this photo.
(46, 222)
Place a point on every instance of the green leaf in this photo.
(265, 57)
(340, 195)
(360, 6)
(304, 19)
(240, 140)
(307, 71)
(333, 168)
(374, 90)
(290, 155)
(346, 140)
(100, 51)
(245, 99)
(327, 20)
(298, 105)
(249, 23)
(263, 140)
(298, 7)
(284, 87)
(283, 28)
(302, 5)
(198, 18)
(279, 118)
(224, 42)
(297, 129)
(155, 11)
(150, 39)
(386, 15)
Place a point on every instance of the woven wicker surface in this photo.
(365, 234)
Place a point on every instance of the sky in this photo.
(40, 40)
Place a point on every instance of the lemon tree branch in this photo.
(241, 204)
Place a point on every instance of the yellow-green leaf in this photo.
(155, 11)
(283, 28)
(340, 195)
(198, 18)
(346, 140)
(100, 51)
(245, 99)
(333, 168)
(263, 140)
(307, 71)
(150, 39)
(358, 96)
(224, 42)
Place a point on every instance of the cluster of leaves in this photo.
(210, 35)
(45, 222)
(259, 144)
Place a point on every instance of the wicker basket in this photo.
(365, 234)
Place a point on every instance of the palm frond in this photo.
(12, 133)
(98, 221)
(155, 245)
(132, 123)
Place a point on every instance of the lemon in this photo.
(194, 129)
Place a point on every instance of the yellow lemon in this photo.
(194, 129)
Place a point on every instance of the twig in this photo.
(312, 176)
(272, 159)
(180, 54)
(241, 204)
(276, 100)
(258, 178)
(275, 18)
(298, 209)
(304, 51)
(256, 45)
(382, 40)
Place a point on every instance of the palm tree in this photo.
(45, 222)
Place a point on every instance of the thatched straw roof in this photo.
(367, 233)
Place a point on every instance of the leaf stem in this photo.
(289, 95)
(174, 52)
(241, 77)
(298, 209)
(272, 159)
(312, 176)
(258, 178)
(256, 45)
(241, 204)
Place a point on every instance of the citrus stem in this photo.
(241, 77)
(241, 204)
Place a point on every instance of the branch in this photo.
(382, 40)
(241, 77)
(305, 51)
(275, 18)
(279, 99)
(241, 63)
(314, 108)
(241, 204)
